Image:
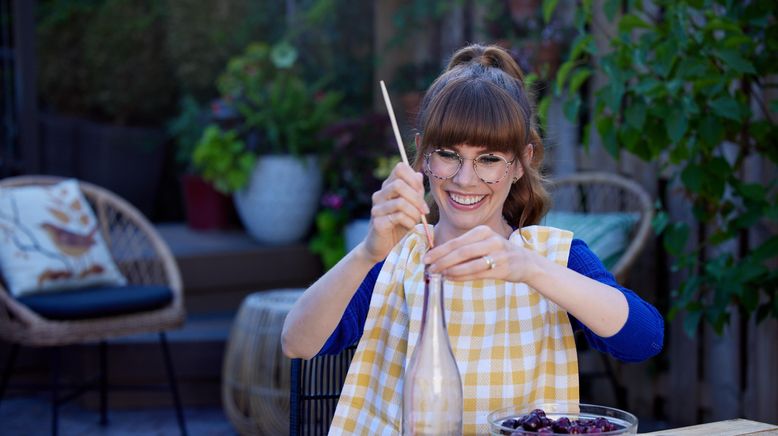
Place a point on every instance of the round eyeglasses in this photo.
(444, 164)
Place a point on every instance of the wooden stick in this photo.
(400, 145)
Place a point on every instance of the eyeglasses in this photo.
(444, 164)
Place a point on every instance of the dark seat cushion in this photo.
(98, 301)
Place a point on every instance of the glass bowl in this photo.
(627, 422)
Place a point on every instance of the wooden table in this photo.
(731, 427)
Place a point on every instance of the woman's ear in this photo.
(529, 153)
(417, 140)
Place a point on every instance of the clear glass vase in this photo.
(432, 393)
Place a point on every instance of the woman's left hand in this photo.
(481, 253)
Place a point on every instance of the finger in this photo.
(401, 189)
(463, 255)
(405, 172)
(473, 236)
(479, 267)
(396, 205)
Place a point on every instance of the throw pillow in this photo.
(607, 234)
(50, 241)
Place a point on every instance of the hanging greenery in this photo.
(687, 86)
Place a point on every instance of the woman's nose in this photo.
(466, 176)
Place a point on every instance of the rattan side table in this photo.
(255, 373)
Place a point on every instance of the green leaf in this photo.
(766, 250)
(733, 59)
(726, 107)
(612, 95)
(666, 55)
(711, 131)
(630, 138)
(676, 124)
(579, 78)
(675, 237)
(659, 223)
(691, 321)
(548, 9)
(774, 105)
(692, 177)
(608, 135)
(583, 43)
(611, 7)
(630, 21)
(562, 73)
(543, 106)
(635, 114)
(571, 108)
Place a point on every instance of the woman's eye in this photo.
(489, 160)
(448, 155)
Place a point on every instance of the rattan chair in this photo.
(315, 391)
(142, 257)
(593, 193)
(598, 192)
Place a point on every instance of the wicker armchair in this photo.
(597, 192)
(142, 257)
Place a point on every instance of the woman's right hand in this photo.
(397, 208)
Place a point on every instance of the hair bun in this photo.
(491, 56)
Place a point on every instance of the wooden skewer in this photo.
(400, 145)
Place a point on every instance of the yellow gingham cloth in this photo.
(512, 345)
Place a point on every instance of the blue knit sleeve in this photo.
(351, 325)
(641, 336)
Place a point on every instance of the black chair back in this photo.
(316, 386)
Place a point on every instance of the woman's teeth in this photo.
(466, 200)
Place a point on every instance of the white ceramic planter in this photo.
(279, 204)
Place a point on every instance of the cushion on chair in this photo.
(98, 301)
(607, 234)
(50, 241)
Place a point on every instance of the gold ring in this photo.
(490, 262)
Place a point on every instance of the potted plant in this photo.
(206, 207)
(268, 155)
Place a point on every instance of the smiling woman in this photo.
(514, 291)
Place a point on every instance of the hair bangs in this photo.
(476, 113)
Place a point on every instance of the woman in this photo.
(515, 292)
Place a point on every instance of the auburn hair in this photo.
(480, 100)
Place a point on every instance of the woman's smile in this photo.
(465, 201)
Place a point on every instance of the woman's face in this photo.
(465, 200)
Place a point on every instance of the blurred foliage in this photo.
(222, 159)
(686, 85)
(130, 62)
(105, 60)
(202, 35)
(285, 112)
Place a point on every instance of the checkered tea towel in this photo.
(512, 345)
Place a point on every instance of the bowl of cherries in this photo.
(561, 418)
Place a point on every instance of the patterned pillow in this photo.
(50, 241)
(607, 234)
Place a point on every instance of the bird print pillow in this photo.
(51, 241)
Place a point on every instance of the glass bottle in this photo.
(432, 393)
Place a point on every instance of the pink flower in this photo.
(332, 201)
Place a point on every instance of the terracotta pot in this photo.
(206, 208)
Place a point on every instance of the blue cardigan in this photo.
(641, 336)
